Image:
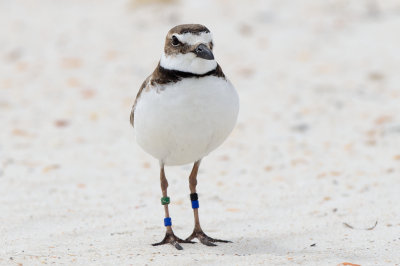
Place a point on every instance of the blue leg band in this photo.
(167, 221)
(195, 204)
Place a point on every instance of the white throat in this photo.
(188, 62)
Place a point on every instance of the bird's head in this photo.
(188, 48)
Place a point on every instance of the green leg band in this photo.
(165, 200)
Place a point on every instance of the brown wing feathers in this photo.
(132, 117)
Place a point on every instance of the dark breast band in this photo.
(163, 76)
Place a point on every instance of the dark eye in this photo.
(175, 41)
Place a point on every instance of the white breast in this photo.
(180, 123)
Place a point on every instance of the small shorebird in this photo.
(184, 110)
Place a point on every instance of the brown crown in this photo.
(188, 28)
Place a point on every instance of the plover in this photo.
(184, 110)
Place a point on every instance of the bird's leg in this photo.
(198, 232)
(170, 237)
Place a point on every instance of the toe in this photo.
(221, 241)
(176, 245)
(188, 242)
(207, 242)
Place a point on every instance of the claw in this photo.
(170, 238)
(204, 239)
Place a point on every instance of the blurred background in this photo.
(317, 143)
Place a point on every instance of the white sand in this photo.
(317, 143)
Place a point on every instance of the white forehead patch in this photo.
(192, 39)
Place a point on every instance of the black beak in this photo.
(204, 52)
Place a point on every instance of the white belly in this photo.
(183, 122)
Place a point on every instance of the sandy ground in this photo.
(317, 143)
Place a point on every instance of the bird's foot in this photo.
(204, 239)
(170, 238)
